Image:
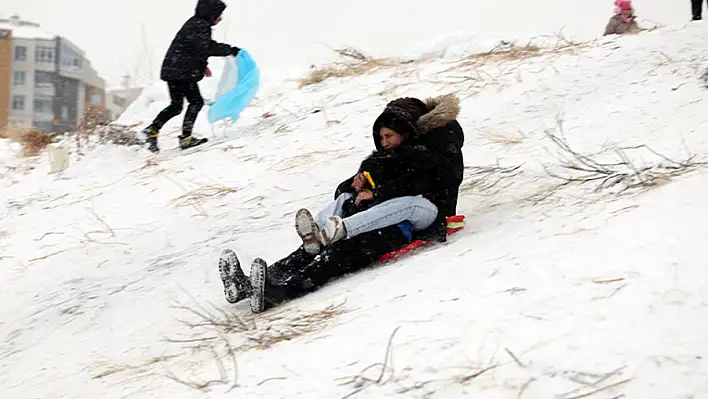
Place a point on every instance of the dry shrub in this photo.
(33, 140)
(612, 168)
(119, 135)
(94, 116)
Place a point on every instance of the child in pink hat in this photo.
(624, 20)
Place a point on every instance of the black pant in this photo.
(300, 273)
(697, 8)
(179, 90)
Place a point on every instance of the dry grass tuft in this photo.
(141, 369)
(285, 327)
(507, 139)
(505, 52)
(355, 63)
(198, 196)
(33, 141)
(260, 331)
(343, 70)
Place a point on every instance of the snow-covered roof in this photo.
(28, 32)
(119, 88)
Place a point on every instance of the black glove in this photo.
(235, 50)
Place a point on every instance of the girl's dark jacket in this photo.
(187, 57)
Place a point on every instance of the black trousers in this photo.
(697, 7)
(179, 90)
(300, 273)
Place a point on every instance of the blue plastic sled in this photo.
(238, 85)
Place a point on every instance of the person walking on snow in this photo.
(185, 64)
(624, 22)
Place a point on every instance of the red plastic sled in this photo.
(454, 224)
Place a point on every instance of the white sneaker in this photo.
(309, 232)
(334, 230)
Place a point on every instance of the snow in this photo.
(560, 295)
(28, 32)
(8, 151)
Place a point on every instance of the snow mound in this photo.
(556, 288)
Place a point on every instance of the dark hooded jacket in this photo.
(438, 139)
(186, 59)
(440, 132)
(409, 170)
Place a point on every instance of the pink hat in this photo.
(625, 5)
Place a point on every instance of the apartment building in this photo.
(52, 82)
(119, 98)
(5, 75)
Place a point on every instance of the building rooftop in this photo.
(25, 29)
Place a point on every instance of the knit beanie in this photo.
(415, 107)
(625, 5)
(400, 115)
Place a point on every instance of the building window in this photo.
(18, 103)
(97, 98)
(18, 78)
(43, 79)
(20, 53)
(46, 126)
(44, 54)
(119, 101)
(43, 104)
(70, 58)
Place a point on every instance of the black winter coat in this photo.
(447, 141)
(406, 171)
(441, 133)
(186, 59)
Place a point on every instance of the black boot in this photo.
(190, 141)
(236, 285)
(151, 138)
(259, 278)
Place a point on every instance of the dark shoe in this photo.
(259, 277)
(151, 138)
(697, 18)
(237, 286)
(191, 141)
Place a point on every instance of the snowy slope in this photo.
(540, 296)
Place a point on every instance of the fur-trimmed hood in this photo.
(441, 111)
(401, 117)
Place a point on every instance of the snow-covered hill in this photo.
(108, 271)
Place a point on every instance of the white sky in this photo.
(282, 32)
